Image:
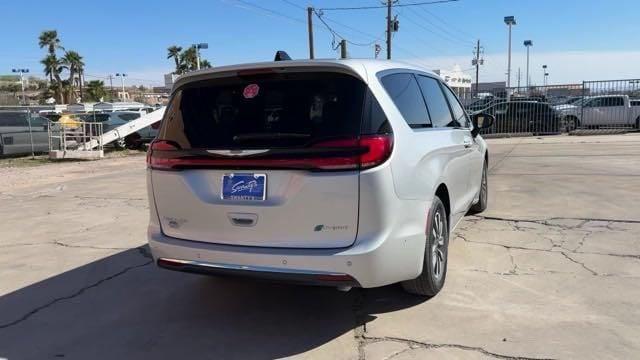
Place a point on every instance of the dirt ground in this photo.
(551, 270)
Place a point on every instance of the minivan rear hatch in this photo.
(266, 158)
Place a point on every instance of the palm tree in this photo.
(96, 90)
(188, 59)
(50, 66)
(174, 52)
(73, 61)
(50, 40)
(205, 64)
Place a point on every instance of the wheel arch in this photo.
(442, 192)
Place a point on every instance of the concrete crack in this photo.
(413, 344)
(579, 263)
(77, 293)
(546, 221)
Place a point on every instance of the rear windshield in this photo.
(265, 111)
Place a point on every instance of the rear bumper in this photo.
(377, 262)
(319, 278)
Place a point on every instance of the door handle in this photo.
(467, 142)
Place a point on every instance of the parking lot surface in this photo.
(550, 270)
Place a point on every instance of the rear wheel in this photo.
(132, 141)
(571, 124)
(638, 123)
(483, 197)
(434, 266)
(120, 144)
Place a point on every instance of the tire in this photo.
(132, 141)
(434, 266)
(483, 197)
(571, 123)
(120, 144)
(638, 123)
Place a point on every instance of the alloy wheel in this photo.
(438, 245)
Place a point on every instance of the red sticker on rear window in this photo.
(251, 91)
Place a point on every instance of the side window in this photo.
(436, 102)
(129, 117)
(38, 121)
(614, 101)
(459, 115)
(374, 120)
(405, 93)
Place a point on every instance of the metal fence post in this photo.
(33, 154)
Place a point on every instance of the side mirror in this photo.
(481, 121)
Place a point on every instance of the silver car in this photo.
(315, 172)
(16, 135)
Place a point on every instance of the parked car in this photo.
(600, 111)
(524, 117)
(483, 103)
(111, 120)
(318, 172)
(16, 135)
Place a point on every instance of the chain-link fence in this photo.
(592, 105)
(22, 132)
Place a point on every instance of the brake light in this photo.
(379, 149)
(342, 154)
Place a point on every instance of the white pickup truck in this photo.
(601, 111)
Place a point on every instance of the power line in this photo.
(447, 24)
(353, 29)
(445, 31)
(335, 34)
(384, 6)
(449, 39)
(267, 10)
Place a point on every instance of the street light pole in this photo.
(544, 74)
(21, 72)
(528, 44)
(510, 21)
(198, 47)
(122, 75)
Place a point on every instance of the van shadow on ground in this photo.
(122, 306)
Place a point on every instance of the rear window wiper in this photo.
(269, 136)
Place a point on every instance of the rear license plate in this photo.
(244, 187)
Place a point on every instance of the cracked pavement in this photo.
(550, 271)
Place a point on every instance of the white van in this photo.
(338, 172)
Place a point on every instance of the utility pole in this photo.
(343, 49)
(477, 61)
(310, 30)
(389, 5)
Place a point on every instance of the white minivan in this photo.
(325, 172)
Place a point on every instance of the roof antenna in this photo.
(282, 55)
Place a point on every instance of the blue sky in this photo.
(577, 39)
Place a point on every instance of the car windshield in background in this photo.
(13, 118)
(265, 111)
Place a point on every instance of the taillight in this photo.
(379, 149)
(341, 154)
(155, 161)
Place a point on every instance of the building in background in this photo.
(457, 80)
